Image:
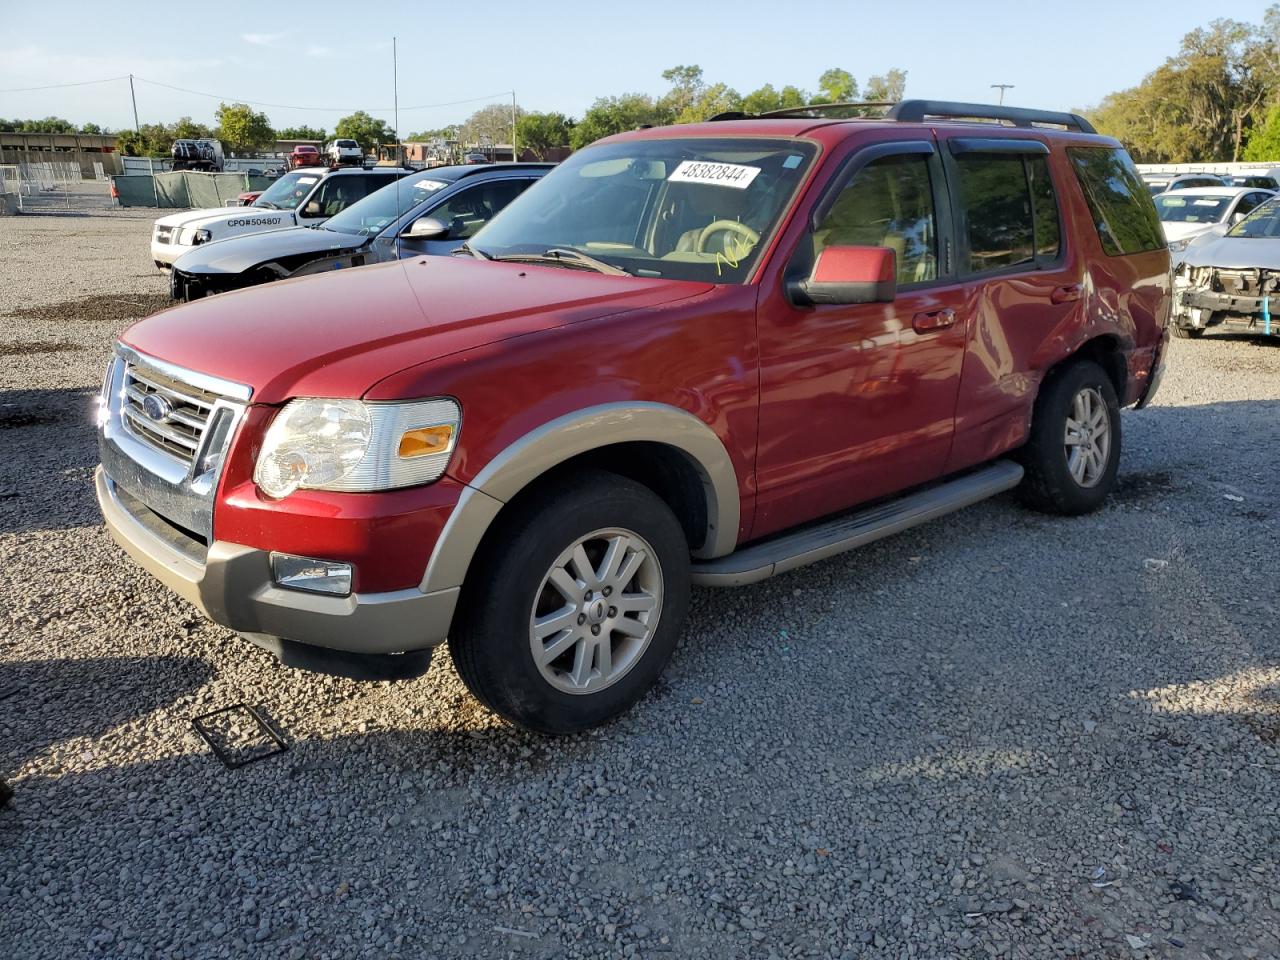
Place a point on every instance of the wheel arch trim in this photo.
(551, 444)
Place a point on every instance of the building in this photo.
(86, 149)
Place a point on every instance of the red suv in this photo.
(699, 354)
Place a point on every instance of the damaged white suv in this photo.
(305, 197)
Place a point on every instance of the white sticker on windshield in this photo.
(1206, 203)
(720, 174)
(308, 179)
(428, 184)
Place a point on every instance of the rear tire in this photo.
(1188, 333)
(573, 607)
(1073, 453)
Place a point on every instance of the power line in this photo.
(289, 106)
(56, 86)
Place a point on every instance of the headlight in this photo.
(202, 236)
(1176, 246)
(353, 446)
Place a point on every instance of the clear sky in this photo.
(561, 55)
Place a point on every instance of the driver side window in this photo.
(466, 212)
(888, 203)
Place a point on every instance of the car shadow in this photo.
(50, 450)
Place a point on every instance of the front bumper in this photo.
(232, 585)
(164, 254)
(1199, 308)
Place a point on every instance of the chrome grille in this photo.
(185, 409)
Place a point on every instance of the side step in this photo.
(848, 531)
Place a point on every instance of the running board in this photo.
(851, 530)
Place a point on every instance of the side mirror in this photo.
(312, 209)
(849, 275)
(426, 228)
(1236, 218)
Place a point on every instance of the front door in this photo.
(859, 401)
(464, 213)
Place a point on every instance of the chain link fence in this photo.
(48, 187)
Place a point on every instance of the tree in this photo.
(93, 129)
(686, 84)
(442, 133)
(301, 133)
(489, 125)
(610, 115)
(241, 128)
(836, 86)
(539, 133)
(364, 130)
(886, 87)
(188, 129)
(766, 98)
(1264, 141)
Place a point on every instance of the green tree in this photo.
(365, 130)
(425, 136)
(610, 115)
(686, 86)
(836, 86)
(301, 133)
(93, 129)
(489, 125)
(241, 128)
(540, 133)
(188, 129)
(1264, 141)
(886, 87)
(766, 98)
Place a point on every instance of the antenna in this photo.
(1002, 87)
(395, 93)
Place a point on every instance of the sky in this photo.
(561, 56)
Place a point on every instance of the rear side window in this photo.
(1123, 213)
(1009, 211)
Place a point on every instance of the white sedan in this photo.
(1186, 214)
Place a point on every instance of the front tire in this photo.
(573, 607)
(1188, 333)
(1073, 453)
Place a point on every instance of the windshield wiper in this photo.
(566, 256)
(468, 250)
(266, 203)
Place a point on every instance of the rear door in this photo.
(1023, 284)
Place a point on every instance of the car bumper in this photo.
(1199, 309)
(232, 584)
(164, 254)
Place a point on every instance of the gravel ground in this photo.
(999, 735)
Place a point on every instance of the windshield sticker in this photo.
(718, 174)
(428, 184)
(308, 179)
(1173, 202)
(1207, 203)
(792, 161)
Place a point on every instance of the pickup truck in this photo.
(306, 197)
(704, 354)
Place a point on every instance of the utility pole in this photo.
(1002, 87)
(515, 154)
(132, 96)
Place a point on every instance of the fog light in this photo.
(314, 576)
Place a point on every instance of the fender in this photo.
(575, 433)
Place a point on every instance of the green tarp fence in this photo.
(184, 189)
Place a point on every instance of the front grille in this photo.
(184, 411)
(165, 234)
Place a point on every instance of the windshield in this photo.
(690, 209)
(1175, 209)
(1157, 186)
(1262, 222)
(381, 207)
(287, 192)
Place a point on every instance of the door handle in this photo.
(933, 320)
(1066, 294)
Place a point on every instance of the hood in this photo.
(189, 216)
(337, 334)
(238, 254)
(1215, 250)
(1184, 231)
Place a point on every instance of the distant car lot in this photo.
(865, 760)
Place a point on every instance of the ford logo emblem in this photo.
(156, 407)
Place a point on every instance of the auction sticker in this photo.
(719, 174)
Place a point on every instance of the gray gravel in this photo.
(1000, 735)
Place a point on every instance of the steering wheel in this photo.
(724, 226)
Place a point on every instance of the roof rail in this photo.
(917, 111)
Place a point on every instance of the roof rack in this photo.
(918, 111)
